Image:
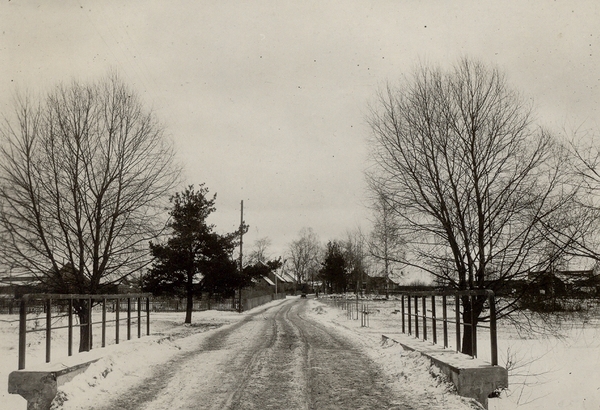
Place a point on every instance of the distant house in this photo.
(284, 283)
(584, 282)
(18, 285)
(378, 284)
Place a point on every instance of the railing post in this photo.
(362, 316)
(424, 301)
(409, 316)
(473, 327)
(117, 320)
(417, 317)
(128, 318)
(457, 308)
(493, 334)
(22, 331)
(48, 329)
(445, 320)
(147, 315)
(89, 347)
(433, 320)
(70, 328)
(139, 314)
(403, 328)
(103, 322)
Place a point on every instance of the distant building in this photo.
(378, 284)
(282, 281)
(574, 283)
(16, 286)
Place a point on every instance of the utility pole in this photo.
(241, 254)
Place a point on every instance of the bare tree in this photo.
(579, 230)
(355, 249)
(259, 251)
(304, 255)
(473, 182)
(386, 247)
(85, 175)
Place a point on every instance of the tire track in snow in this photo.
(278, 379)
(275, 358)
(153, 391)
(338, 374)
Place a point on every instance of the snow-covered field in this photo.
(549, 372)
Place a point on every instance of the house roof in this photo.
(287, 277)
(278, 277)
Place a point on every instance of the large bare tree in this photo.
(304, 255)
(355, 250)
(386, 246)
(85, 174)
(475, 184)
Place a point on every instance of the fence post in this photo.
(417, 317)
(457, 308)
(103, 322)
(409, 316)
(147, 315)
(424, 301)
(128, 318)
(70, 328)
(473, 327)
(362, 315)
(445, 320)
(493, 335)
(403, 329)
(139, 312)
(22, 332)
(117, 320)
(89, 346)
(48, 329)
(433, 320)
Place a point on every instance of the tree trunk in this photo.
(467, 342)
(476, 303)
(189, 294)
(189, 305)
(85, 336)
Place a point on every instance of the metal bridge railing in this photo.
(59, 303)
(420, 317)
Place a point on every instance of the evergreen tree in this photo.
(333, 270)
(194, 258)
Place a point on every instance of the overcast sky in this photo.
(266, 101)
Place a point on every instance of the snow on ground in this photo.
(553, 365)
(557, 370)
(408, 373)
(550, 371)
(125, 362)
(123, 366)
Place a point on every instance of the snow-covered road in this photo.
(288, 354)
(272, 359)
